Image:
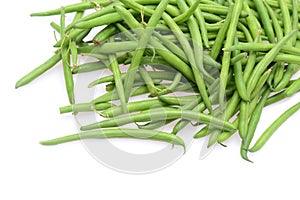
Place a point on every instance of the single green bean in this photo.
(238, 77)
(114, 66)
(133, 107)
(148, 81)
(84, 107)
(104, 34)
(74, 7)
(39, 70)
(55, 26)
(155, 125)
(119, 133)
(273, 127)
(88, 67)
(292, 89)
(74, 54)
(180, 100)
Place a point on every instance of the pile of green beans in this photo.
(211, 62)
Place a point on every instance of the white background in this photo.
(30, 114)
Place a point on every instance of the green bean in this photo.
(155, 125)
(287, 24)
(221, 35)
(55, 26)
(262, 65)
(226, 56)
(39, 70)
(295, 17)
(114, 66)
(181, 100)
(209, 17)
(219, 10)
(292, 89)
(161, 114)
(172, 87)
(187, 14)
(277, 27)
(99, 21)
(74, 53)
(214, 27)
(71, 36)
(148, 80)
(132, 107)
(201, 22)
(111, 96)
(252, 105)
(275, 98)
(263, 47)
(104, 34)
(68, 74)
(84, 107)
(119, 133)
(88, 67)
(276, 4)
(265, 19)
(290, 71)
(74, 8)
(238, 57)
(245, 31)
(171, 46)
(273, 127)
(279, 71)
(172, 10)
(183, 123)
(154, 75)
(261, 82)
(69, 82)
(252, 21)
(253, 124)
(238, 77)
(288, 58)
(243, 119)
(197, 45)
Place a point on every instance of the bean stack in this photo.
(214, 62)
